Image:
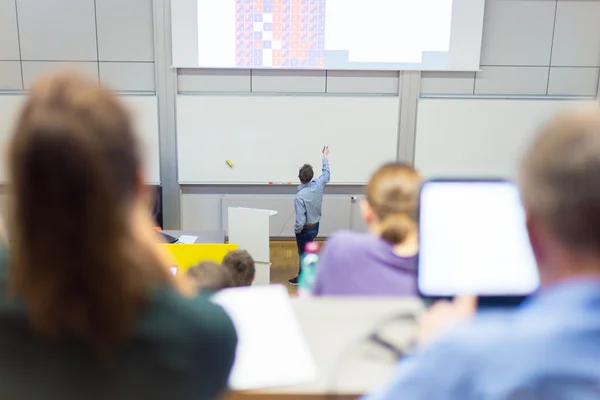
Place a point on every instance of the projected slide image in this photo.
(318, 34)
(280, 33)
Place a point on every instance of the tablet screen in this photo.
(473, 240)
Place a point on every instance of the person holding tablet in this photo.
(383, 261)
(88, 306)
(549, 347)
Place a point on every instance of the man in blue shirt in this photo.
(308, 204)
(548, 348)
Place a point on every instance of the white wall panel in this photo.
(512, 81)
(517, 32)
(479, 137)
(57, 30)
(362, 82)
(128, 76)
(447, 82)
(573, 81)
(10, 75)
(9, 39)
(282, 81)
(357, 222)
(200, 211)
(33, 69)
(577, 34)
(229, 81)
(125, 31)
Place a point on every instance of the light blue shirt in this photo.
(309, 199)
(548, 349)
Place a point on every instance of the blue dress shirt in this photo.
(309, 200)
(548, 349)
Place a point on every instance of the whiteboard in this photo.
(478, 137)
(269, 138)
(144, 111)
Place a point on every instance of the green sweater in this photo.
(182, 349)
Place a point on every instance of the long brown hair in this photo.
(392, 193)
(74, 175)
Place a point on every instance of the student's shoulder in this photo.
(483, 335)
(198, 332)
(195, 316)
(477, 352)
(512, 329)
(465, 344)
(486, 346)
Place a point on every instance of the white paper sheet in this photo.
(272, 350)
(187, 239)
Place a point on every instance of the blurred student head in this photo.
(560, 189)
(306, 173)
(241, 265)
(79, 260)
(209, 275)
(391, 203)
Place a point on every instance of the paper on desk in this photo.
(272, 350)
(187, 239)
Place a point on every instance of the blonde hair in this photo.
(559, 177)
(392, 193)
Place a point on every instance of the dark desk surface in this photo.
(204, 237)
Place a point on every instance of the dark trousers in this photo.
(306, 236)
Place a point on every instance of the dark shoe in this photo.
(293, 281)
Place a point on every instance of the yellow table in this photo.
(188, 255)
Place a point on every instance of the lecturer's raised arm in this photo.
(326, 173)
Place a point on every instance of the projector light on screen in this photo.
(328, 34)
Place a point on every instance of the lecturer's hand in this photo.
(443, 316)
(326, 152)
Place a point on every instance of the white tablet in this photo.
(473, 240)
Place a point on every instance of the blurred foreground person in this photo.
(549, 348)
(88, 306)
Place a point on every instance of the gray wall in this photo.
(530, 48)
(111, 40)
